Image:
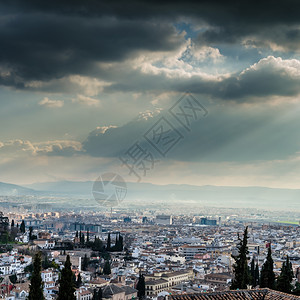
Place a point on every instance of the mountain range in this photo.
(147, 193)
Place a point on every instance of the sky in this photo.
(84, 82)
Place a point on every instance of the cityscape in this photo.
(149, 150)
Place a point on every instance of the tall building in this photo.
(163, 220)
(206, 221)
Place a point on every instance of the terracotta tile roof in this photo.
(258, 294)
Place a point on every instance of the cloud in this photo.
(16, 147)
(75, 46)
(51, 103)
(215, 20)
(70, 45)
(270, 76)
(86, 100)
(58, 148)
(243, 133)
(13, 148)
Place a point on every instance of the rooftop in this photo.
(257, 294)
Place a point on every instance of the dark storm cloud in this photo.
(230, 19)
(45, 40)
(43, 47)
(227, 11)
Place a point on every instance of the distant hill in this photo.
(7, 189)
(223, 196)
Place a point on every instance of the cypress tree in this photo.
(66, 288)
(36, 283)
(108, 243)
(241, 270)
(85, 263)
(78, 282)
(46, 264)
(141, 287)
(120, 246)
(284, 281)
(267, 275)
(296, 290)
(116, 247)
(22, 227)
(254, 271)
(106, 268)
(87, 236)
(12, 223)
(256, 275)
(97, 294)
(30, 232)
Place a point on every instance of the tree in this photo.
(116, 244)
(106, 268)
(12, 223)
(81, 238)
(87, 236)
(97, 245)
(76, 235)
(30, 232)
(97, 294)
(54, 265)
(256, 275)
(108, 243)
(267, 275)
(296, 290)
(22, 227)
(284, 281)
(78, 282)
(85, 263)
(100, 294)
(36, 283)
(46, 263)
(119, 243)
(66, 288)
(252, 272)
(13, 278)
(241, 271)
(28, 269)
(141, 286)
